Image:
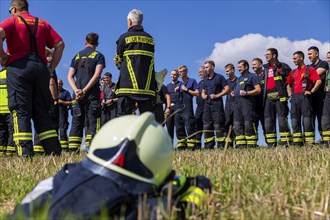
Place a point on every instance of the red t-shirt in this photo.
(299, 79)
(18, 40)
(270, 80)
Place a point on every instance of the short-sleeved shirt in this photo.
(214, 85)
(18, 39)
(199, 99)
(190, 84)
(320, 64)
(299, 79)
(232, 86)
(95, 58)
(65, 96)
(246, 82)
(171, 91)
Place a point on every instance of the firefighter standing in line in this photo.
(301, 84)
(170, 122)
(6, 124)
(275, 97)
(230, 102)
(83, 77)
(185, 120)
(108, 100)
(135, 59)
(28, 76)
(326, 107)
(200, 108)
(257, 68)
(318, 97)
(162, 97)
(215, 87)
(245, 107)
(64, 102)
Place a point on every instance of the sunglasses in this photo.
(11, 8)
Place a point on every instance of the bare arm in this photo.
(224, 92)
(315, 87)
(53, 89)
(59, 48)
(256, 91)
(289, 90)
(72, 83)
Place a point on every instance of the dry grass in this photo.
(262, 183)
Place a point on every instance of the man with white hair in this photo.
(135, 59)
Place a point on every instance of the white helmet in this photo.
(135, 146)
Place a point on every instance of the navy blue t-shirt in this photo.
(65, 96)
(190, 84)
(214, 85)
(199, 99)
(170, 89)
(232, 86)
(246, 82)
(320, 64)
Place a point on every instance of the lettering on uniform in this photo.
(139, 39)
(31, 21)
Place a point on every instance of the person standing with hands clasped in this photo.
(83, 76)
(28, 76)
(301, 84)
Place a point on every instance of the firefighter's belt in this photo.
(273, 96)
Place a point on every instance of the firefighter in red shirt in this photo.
(28, 76)
(301, 84)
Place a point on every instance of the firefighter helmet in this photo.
(135, 146)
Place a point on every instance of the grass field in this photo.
(277, 183)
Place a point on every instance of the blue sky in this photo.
(188, 32)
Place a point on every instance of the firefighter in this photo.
(326, 108)
(275, 97)
(130, 162)
(301, 84)
(64, 102)
(215, 87)
(162, 98)
(257, 66)
(185, 120)
(230, 103)
(6, 125)
(247, 88)
(200, 108)
(83, 77)
(108, 100)
(318, 97)
(28, 76)
(170, 122)
(135, 59)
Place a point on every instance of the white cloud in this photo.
(255, 45)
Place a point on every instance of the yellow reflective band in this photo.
(98, 124)
(11, 148)
(251, 142)
(150, 73)
(309, 139)
(73, 146)
(181, 140)
(207, 140)
(270, 140)
(241, 82)
(278, 78)
(240, 137)
(297, 140)
(118, 58)
(228, 140)
(285, 134)
(283, 99)
(309, 134)
(138, 52)
(198, 141)
(241, 142)
(297, 134)
(220, 139)
(270, 135)
(92, 55)
(75, 138)
(285, 139)
(135, 91)
(38, 148)
(326, 132)
(194, 195)
(131, 73)
(88, 136)
(47, 134)
(252, 137)
(326, 138)
(139, 39)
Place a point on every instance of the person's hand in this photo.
(176, 88)
(167, 111)
(115, 60)
(213, 96)
(242, 93)
(184, 88)
(232, 93)
(307, 92)
(204, 96)
(109, 102)
(4, 59)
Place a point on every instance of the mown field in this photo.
(261, 183)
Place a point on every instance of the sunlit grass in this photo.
(261, 183)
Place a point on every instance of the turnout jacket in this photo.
(135, 55)
(86, 190)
